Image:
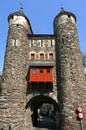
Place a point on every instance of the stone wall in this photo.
(15, 78)
(70, 74)
(45, 45)
(0, 83)
(14, 83)
(0, 78)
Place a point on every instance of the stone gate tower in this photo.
(14, 84)
(42, 75)
(70, 75)
(29, 76)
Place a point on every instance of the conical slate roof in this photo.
(18, 13)
(63, 12)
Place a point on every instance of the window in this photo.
(69, 16)
(12, 16)
(41, 56)
(48, 71)
(53, 43)
(30, 43)
(32, 56)
(34, 71)
(41, 71)
(51, 56)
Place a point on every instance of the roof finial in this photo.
(21, 7)
(62, 5)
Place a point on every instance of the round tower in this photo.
(14, 83)
(19, 18)
(70, 74)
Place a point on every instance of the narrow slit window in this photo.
(69, 16)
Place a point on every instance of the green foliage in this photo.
(84, 59)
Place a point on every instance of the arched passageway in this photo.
(45, 112)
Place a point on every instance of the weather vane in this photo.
(21, 7)
(62, 5)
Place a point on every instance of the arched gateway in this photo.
(45, 111)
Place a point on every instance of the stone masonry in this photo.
(15, 85)
(70, 75)
(18, 101)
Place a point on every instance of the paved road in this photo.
(45, 123)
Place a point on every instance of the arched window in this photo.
(32, 56)
(41, 56)
(51, 56)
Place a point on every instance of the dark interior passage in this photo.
(44, 111)
(44, 117)
(46, 122)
